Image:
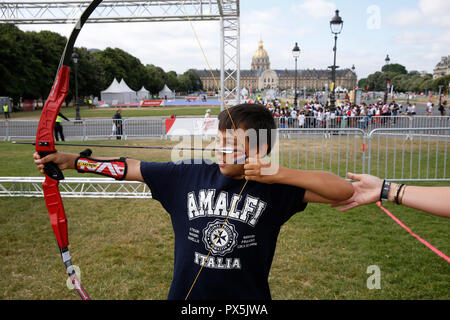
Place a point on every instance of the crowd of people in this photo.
(315, 114)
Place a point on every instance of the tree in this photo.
(441, 81)
(196, 83)
(28, 61)
(184, 83)
(90, 80)
(395, 68)
(116, 63)
(155, 78)
(172, 80)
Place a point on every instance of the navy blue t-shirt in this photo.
(198, 198)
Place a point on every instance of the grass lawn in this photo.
(86, 113)
(124, 247)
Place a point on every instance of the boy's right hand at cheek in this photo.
(61, 159)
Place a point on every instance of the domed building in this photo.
(260, 60)
(261, 77)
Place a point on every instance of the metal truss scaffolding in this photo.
(75, 188)
(116, 11)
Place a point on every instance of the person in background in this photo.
(6, 110)
(118, 125)
(370, 189)
(413, 109)
(58, 129)
(442, 108)
(208, 113)
(429, 108)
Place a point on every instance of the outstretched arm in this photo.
(320, 186)
(433, 200)
(67, 161)
(63, 116)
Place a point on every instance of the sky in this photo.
(415, 33)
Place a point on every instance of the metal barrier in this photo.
(155, 127)
(87, 129)
(365, 123)
(337, 151)
(409, 154)
(418, 154)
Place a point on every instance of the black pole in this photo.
(386, 89)
(295, 94)
(77, 107)
(333, 78)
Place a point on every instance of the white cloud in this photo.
(317, 8)
(165, 44)
(428, 13)
(437, 11)
(406, 18)
(414, 38)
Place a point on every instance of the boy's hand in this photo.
(367, 190)
(61, 159)
(259, 170)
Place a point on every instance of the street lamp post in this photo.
(336, 25)
(77, 107)
(386, 89)
(295, 54)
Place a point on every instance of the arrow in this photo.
(223, 150)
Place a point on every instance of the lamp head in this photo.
(75, 57)
(336, 23)
(296, 51)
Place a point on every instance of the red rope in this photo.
(439, 253)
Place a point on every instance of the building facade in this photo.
(261, 77)
(442, 68)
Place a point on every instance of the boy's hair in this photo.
(250, 116)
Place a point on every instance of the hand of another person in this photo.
(367, 190)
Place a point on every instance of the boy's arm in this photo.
(320, 186)
(67, 161)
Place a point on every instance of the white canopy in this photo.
(114, 87)
(166, 93)
(143, 94)
(118, 93)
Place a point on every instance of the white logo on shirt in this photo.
(222, 238)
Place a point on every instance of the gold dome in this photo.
(260, 53)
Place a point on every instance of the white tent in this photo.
(118, 93)
(166, 93)
(143, 94)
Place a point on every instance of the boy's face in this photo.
(235, 147)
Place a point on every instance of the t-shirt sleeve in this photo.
(290, 199)
(162, 178)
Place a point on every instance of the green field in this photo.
(87, 113)
(125, 247)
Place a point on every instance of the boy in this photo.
(227, 216)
